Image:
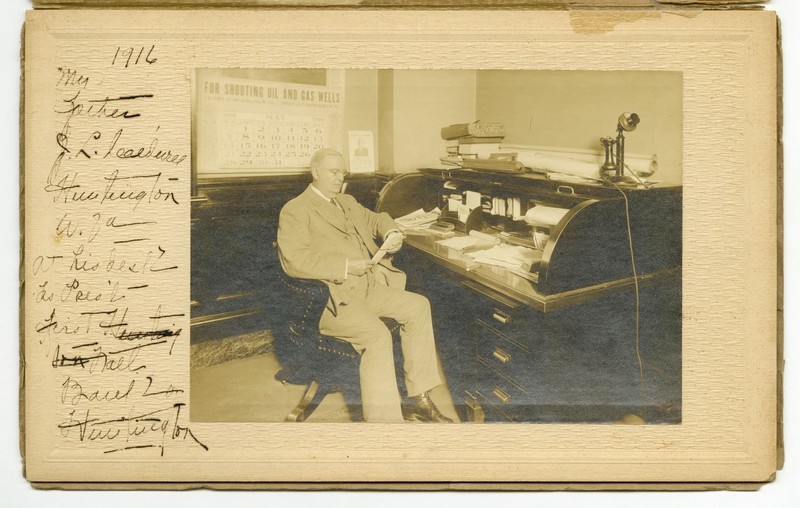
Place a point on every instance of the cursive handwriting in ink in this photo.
(107, 107)
(43, 263)
(74, 393)
(70, 226)
(151, 429)
(79, 292)
(132, 189)
(167, 393)
(150, 264)
(101, 318)
(126, 55)
(126, 359)
(140, 152)
(70, 77)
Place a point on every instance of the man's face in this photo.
(329, 177)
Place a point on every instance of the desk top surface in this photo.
(509, 287)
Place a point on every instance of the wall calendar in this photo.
(270, 140)
(250, 127)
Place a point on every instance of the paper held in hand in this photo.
(378, 255)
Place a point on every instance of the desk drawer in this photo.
(503, 358)
(506, 338)
(500, 394)
(515, 324)
(500, 382)
(492, 411)
(503, 355)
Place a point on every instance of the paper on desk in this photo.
(460, 242)
(418, 219)
(474, 239)
(513, 257)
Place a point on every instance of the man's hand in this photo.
(359, 267)
(393, 242)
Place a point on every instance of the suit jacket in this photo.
(313, 244)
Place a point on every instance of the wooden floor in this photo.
(245, 390)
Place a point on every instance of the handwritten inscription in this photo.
(113, 172)
(126, 58)
(156, 428)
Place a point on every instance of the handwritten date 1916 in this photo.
(125, 56)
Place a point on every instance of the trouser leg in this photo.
(358, 325)
(413, 313)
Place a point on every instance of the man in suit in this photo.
(326, 235)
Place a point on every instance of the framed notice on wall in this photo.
(361, 150)
(253, 127)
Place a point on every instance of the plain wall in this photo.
(422, 103)
(386, 121)
(574, 109)
(406, 109)
(360, 107)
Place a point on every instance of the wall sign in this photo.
(250, 127)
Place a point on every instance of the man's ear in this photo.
(315, 173)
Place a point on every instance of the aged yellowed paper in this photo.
(108, 189)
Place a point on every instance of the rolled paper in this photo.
(570, 166)
(545, 215)
(553, 163)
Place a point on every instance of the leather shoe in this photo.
(422, 409)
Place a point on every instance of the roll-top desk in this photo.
(577, 338)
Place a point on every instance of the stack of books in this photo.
(476, 140)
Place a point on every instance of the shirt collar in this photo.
(320, 194)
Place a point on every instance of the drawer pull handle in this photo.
(501, 355)
(501, 395)
(501, 316)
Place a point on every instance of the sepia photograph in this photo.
(397, 249)
(510, 253)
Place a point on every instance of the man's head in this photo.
(328, 171)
